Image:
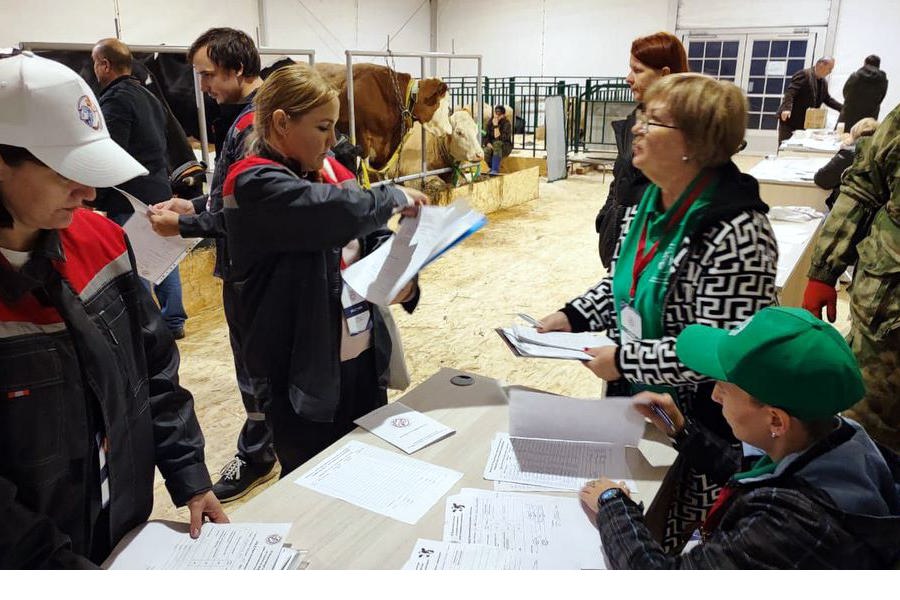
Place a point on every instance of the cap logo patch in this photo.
(88, 113)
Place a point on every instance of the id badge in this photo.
(356, 311)
(630, 325)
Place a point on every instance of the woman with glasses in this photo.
(652, 57)
(697, 248)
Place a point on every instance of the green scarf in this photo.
(666, 229)
(763, 466)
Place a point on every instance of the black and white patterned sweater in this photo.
(722, 274)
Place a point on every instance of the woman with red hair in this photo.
(652, 57)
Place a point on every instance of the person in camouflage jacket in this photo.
(864, 228)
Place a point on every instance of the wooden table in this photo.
(340, 535)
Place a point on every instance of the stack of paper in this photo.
(404, 427)
(156, 256)
(795, 228)
(788, 169)
(381, 276)
(240, 546)
(432, 555)
(562, 443)
(527, 342)
(381, 481)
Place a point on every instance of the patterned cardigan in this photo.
(722, 275)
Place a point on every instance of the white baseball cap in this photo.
(46, 108)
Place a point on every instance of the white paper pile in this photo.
(527, 342)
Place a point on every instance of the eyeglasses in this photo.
(643, 120)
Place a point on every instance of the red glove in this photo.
(819, 294)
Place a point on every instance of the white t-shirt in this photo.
(15, 258)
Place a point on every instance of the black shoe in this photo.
(178, 334)
(238, 477)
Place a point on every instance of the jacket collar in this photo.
(16, 283)
(116, 82)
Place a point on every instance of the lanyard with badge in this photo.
(357, 312)
(631, 322)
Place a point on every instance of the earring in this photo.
(685, 158)
(774, 435)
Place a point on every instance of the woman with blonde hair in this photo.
(697, 248)
(317, 350)
(829, 176)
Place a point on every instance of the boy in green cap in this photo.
(823, 495)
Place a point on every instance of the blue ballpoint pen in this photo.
(662, 415)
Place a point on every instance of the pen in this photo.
(662, 415)
(529, 319)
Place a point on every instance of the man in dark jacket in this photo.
(863, 92)
(498, 139)
(228, 64)
(808, 89)
(88, 373)
(822, 495)
(829, 176)
(137, 122)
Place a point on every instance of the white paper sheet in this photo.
(168, 545)
(562, 339)
(540, 415)
(380, 276)
(555, 463)
(432, 555)
(404, 427)
(509, 486)
(793, 237)
(527, 350)
(788, 169)
(554, 528)
(381, 481)
(156, 256)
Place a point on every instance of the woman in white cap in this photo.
(822, 495)
(89, 394)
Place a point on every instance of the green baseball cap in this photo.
(783, 357)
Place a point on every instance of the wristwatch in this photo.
(610, 494)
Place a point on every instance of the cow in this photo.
(462, 145)
(378, 97)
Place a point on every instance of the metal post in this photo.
(350, 104)
(201, 122)
(480, 99)
(422, 128)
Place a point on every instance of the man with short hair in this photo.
(863, 92)
(808, 89)
(137, 122)
(228, 65)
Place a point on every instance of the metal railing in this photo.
(591, 104)
(421, 56)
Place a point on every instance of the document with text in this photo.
(168, 545)
(559, 464)
(433, 555)
(380, 276)
(381, 481)
(555, 529)
(156, 256)
(404, 427)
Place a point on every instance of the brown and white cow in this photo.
(461, 146)
(378, 97)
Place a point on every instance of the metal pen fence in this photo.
(591, 104)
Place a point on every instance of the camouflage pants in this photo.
(879, 361)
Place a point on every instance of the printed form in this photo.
(432, 555)
(555, 529)
(381, 481)
(234, 546)
(156, 256)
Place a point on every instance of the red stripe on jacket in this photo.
(245, 121)
(243, 165)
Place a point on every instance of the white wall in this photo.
(332, 26)
(546, 37)
(52, 21)
(868, 27)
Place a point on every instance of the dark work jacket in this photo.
(285, 235)
(209, 220)
(84, 350)
(137, 122)
(829, 176)
(626, 189)
(863, 93)
(804, 91)
(835, 505)
(505, 132)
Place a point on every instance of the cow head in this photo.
(465, 143)
(432, 107)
